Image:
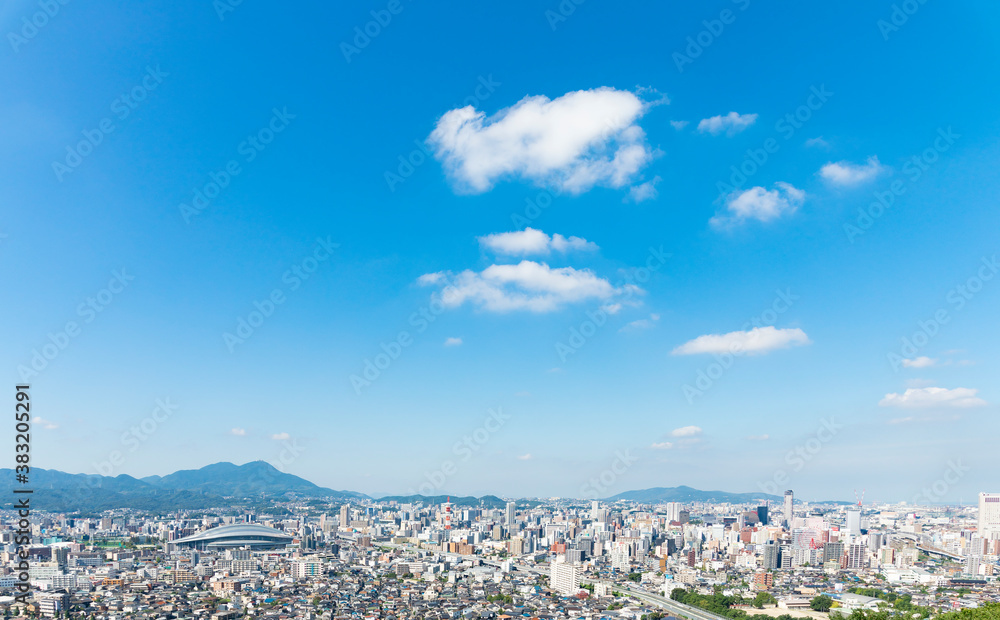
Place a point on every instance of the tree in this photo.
(821, 603)
(763, 598)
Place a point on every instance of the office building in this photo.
(789, 500)
(565, 578)
(989, 515)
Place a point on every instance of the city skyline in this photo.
(716, 246)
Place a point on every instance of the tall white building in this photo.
(565, 578)
(789, 500)
(989, 515)
(511, 514)
(854, 521)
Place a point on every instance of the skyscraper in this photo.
(854, 521)
(789, 500)
(989, 515)
(345, 515)
(511, 515)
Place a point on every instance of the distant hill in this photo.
(221, 484)
(687, 494)
(486, 501)
(251, 479)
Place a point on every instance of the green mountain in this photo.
(213, 486)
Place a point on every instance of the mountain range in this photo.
(212, 486)
(254, 484)
(687, 494)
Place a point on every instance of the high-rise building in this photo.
(565, 578)
(854, 521)
(770, 556)
(989, 515)
(762, 514)
(345, 515)
(511, 515)
(789, 500)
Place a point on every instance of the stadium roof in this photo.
(238, 535)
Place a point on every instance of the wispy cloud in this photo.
(758, 203)
(46, 424)
(731, 123)
(530, 242)
(239, 432)
(847, 173)
(281, 436)
(641, 323)
(755, 341)
(528, 285)
(919, 362)
(922, 398)
(452, 342)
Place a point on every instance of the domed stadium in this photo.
(233, 536)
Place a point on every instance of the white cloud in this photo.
(755, 341)
(642, 323)
(916, 398)
(679, 125)
(919, 362)
(46, 424)
(846, 173)
(281, 437)
(525, 457)
(901, 420)
(531, 241)
(574, 142)
(645, 191)
(686, 431)
(614, 308)
(239, 432)
(531, 286)
(452, 342)
(764, 437)
(731, 123)
(662, 445)
(818, 142)
(760, 204)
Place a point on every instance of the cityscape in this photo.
(424, 557)
(500, 310)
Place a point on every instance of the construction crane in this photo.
(860, 498)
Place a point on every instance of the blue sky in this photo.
(626, 123)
